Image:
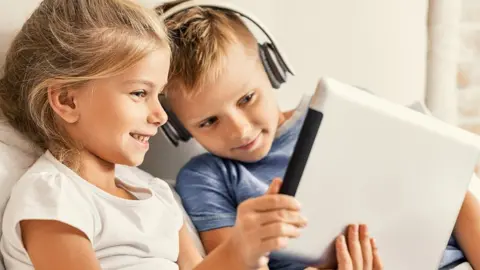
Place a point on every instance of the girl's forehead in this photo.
(151, 71)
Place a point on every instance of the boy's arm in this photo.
(260, 228)
(213, 238)
(467, 229)
(189, 258)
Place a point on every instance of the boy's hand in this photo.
(357, 251)
(265, 224)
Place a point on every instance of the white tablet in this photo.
(362, 159)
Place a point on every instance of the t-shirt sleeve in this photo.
(203, 188)
(46, 196)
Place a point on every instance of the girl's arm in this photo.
(189, 256)
(52, 245)
(467, 230)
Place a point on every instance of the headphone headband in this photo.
(276, 67)
(229, 7)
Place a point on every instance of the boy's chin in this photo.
(251, 157)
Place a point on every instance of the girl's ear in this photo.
(65, 103)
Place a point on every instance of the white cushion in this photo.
(16, 155)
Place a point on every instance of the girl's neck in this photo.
(97, 171)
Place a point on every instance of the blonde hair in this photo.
(200, 38)
(66, 44)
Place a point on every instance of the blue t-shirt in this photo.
(211, 187)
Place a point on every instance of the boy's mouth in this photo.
(250, 144)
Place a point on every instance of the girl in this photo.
(82, 80)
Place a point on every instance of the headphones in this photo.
(273, 61)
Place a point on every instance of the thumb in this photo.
(274, 187)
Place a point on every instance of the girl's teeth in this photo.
(140, 138)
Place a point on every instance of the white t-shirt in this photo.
(126, 234)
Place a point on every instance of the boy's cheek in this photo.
(212, 142)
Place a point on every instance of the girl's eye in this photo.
(139, 93)
(246, 99)
(209, 122)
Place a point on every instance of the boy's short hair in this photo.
(200, 38)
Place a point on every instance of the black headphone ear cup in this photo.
(262, 50)
(169, 131)
(275, 63)
(182, 133)
(272, 62)
(174, 129)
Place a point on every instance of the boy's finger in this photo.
(275, 230)
(274, 187)
(273, 244)
(286, 216)
(343, 257)
(377, 263)
(354, 247)
(272, 202)
(366, 247)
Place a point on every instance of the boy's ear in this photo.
(65, 104)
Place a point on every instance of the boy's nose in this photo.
(240, 127)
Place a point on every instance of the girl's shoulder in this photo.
(46, 178)
(44, 192)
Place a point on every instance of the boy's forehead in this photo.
(208, 100)
(241, 73)
(236, 70)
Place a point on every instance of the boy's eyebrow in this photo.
(140, 81)
(194, 121)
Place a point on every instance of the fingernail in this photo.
(364, 229)
(354, 228)
(299, 205)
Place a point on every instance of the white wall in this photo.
(376, 44)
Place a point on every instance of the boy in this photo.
(219, 90)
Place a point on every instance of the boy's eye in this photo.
(207, 123)
(139, 93)
(247, 98)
